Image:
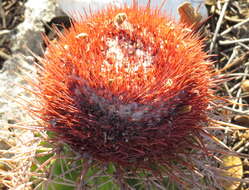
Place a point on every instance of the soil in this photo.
(11, 14)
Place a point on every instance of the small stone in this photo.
(245, 85)
(241, 120)
(120, 18)
(233, 167)
(188, 14)
(185, 109)
(210, 2)
(82, 35)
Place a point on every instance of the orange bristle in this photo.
(128, 86)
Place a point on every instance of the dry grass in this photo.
(228, 39)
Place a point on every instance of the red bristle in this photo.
(128, 86)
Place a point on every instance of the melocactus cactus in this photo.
(129, 86)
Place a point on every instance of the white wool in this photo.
(75, 8)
